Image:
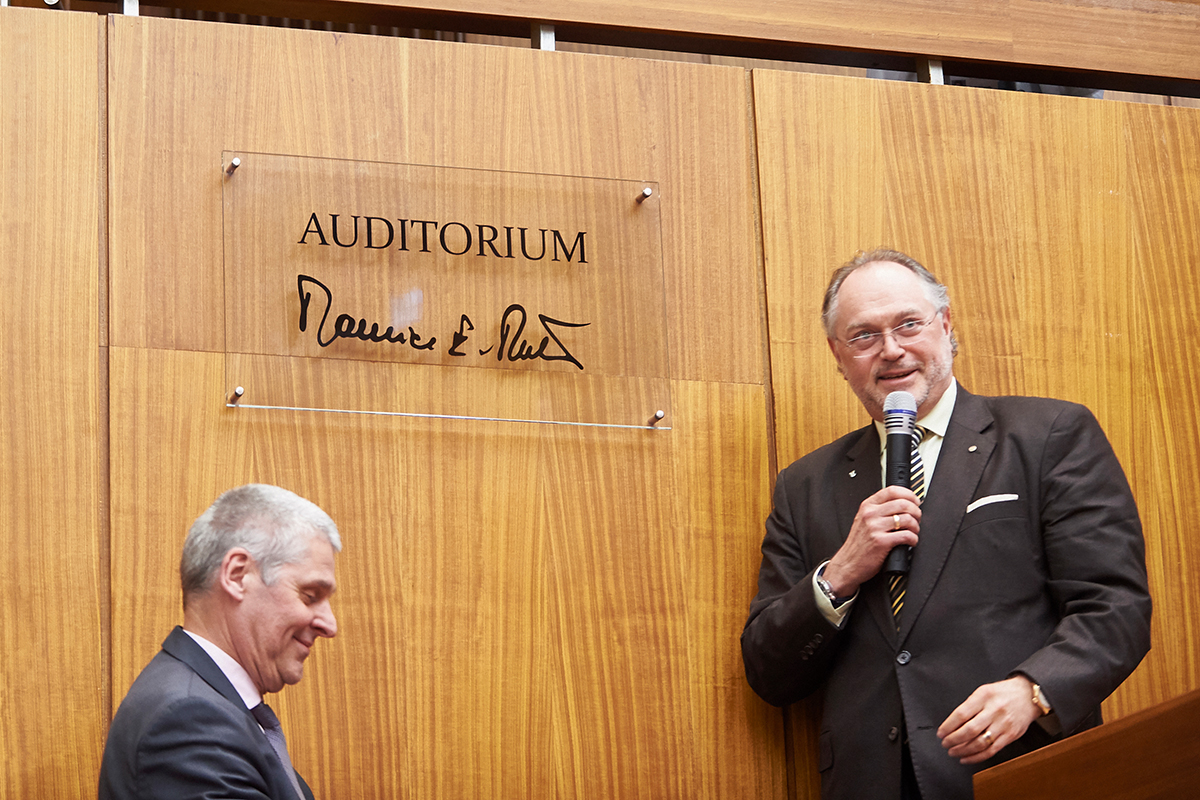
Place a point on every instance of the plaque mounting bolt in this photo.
(658, 415)
(237, 394)
(645, 194)
(234, 164)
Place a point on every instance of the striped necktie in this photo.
(898, 583)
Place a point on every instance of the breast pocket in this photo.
(996, 555)
(994, 507)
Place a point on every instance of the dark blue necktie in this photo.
(271, 727)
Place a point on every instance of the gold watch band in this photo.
(1039, 700)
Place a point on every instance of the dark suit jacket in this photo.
(1051, 585)
(183, 732)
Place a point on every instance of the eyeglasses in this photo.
(869, 342)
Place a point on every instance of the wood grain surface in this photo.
(1158, 38)
(525, 610)
(52, 704)
(414, 102)
(1148, 755)
(530, 610)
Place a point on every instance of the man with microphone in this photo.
(1023, 602)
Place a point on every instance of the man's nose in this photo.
(325, 622)
(891, 347)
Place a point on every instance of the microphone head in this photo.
(900, 413)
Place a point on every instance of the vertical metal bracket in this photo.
(541, 36)
(929, 70)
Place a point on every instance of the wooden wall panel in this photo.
(185, 91)
(1100, 35)
(1163, 161)
(950, 194)
(1080, 329)
(525, 610)
(166, 467)
(434, 663)
(1065, 231)
(534, 611)
(624, 675)
(722, 485)
(52, 699)
(808, 218)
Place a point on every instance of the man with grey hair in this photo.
(257, 576)
(1026, 602)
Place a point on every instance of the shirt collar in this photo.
(234, 671)
(936, 422)
(938, 419)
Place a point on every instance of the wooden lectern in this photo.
(1154, 753)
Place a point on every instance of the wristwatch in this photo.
(1039, 700)
(827, 590)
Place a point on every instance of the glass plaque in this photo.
(522, 289)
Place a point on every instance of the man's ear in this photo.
(236, 567)
(837, 358)
(948, 328)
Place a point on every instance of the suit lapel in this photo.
(184, 648)
(966, 450)
(860, 477)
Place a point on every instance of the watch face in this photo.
(827, 590)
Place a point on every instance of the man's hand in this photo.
(890, 517)
(993, 716)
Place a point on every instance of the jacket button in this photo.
(818, 639)
(893, 734)
(904, 657)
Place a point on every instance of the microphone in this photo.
(899, 420)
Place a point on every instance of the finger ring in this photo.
(895, 522)
(987, 738)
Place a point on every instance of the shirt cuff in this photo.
(836, 616)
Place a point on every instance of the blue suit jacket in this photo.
(183, 733)
(1047, 578)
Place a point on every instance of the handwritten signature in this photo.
(348, 327)
(512, 346)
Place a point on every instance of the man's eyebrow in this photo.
(898, 318)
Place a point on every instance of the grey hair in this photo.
(937, 292)
(274, 525)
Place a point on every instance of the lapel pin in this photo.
(853, 473)
(972, 449)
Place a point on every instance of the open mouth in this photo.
(894, 377)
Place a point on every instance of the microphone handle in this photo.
(898, 472)
(898, 560)
(898, 463)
